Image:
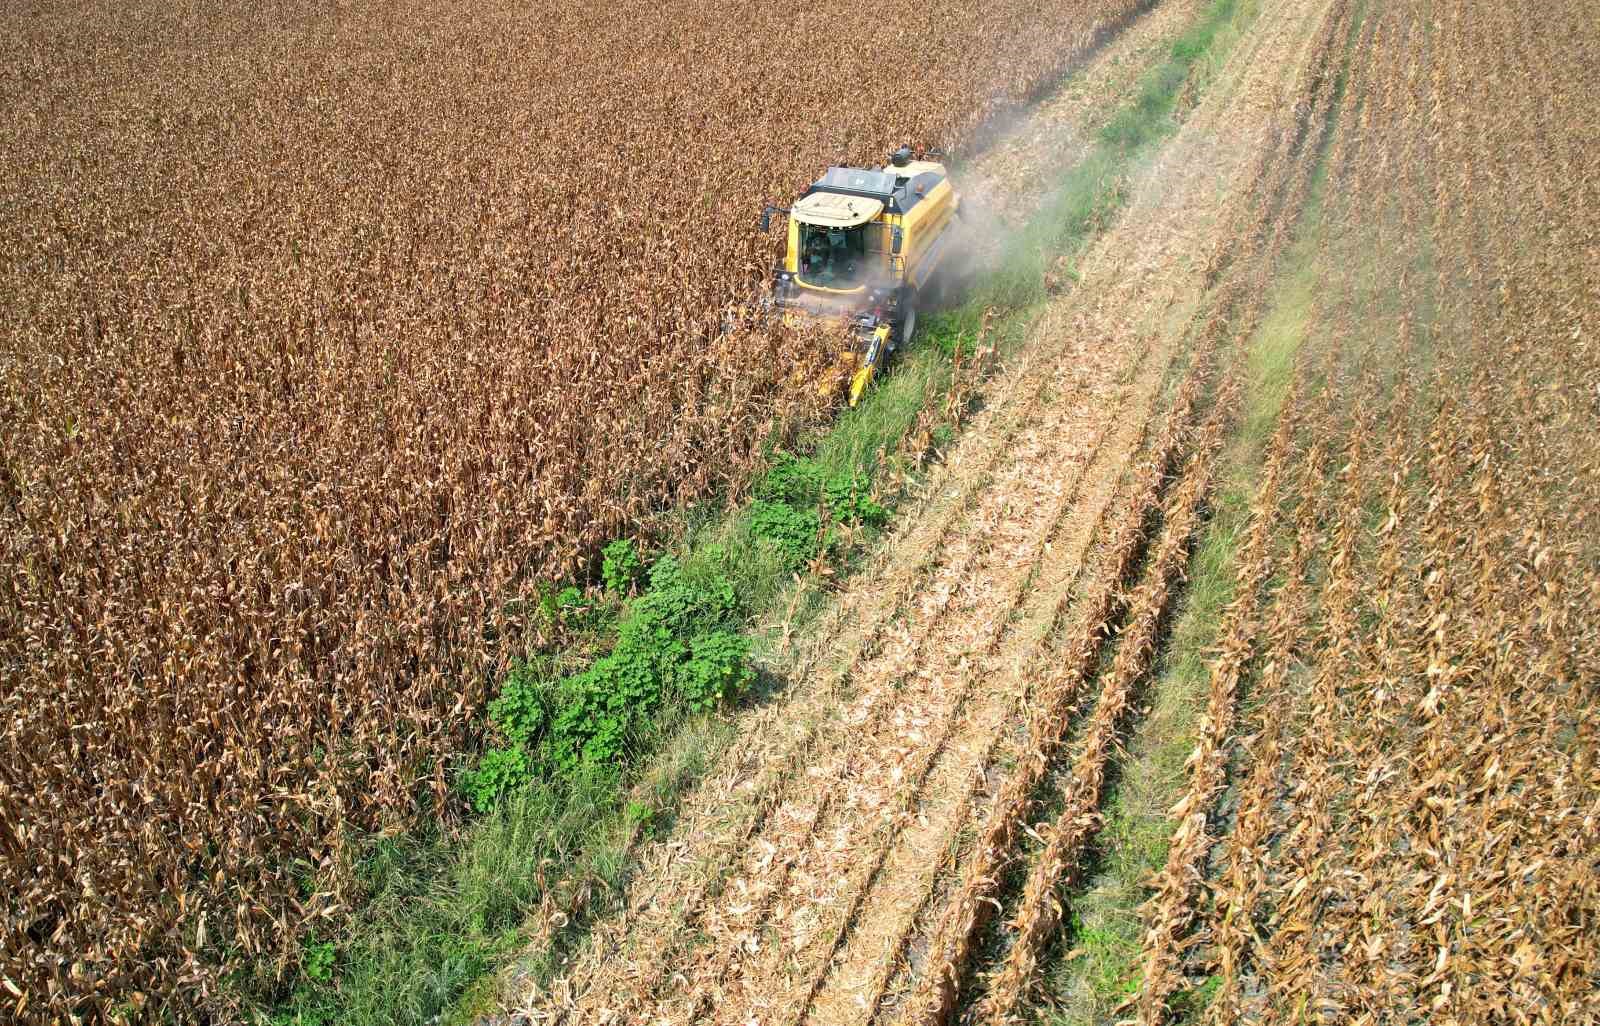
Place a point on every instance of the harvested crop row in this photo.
(876, 933)
(936, 994)
(1039, 913)
(877, 946)
(915, 549)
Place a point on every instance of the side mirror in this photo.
(766, 220)
(896, 240)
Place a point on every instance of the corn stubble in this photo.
(328, 333)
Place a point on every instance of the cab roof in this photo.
(835, 210)
(898, 189)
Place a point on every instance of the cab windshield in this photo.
(838, 258)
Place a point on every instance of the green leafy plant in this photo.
(600, 706)
(521, 712)
(849, 500)
(801, 484)
(794, 532)
(574, 609)
(717, 669)
(676, 639)
(316, 959)
(620, 566)
(685, 603)
(792, 499)
(499, 771)
(566, 606)
(791, 479)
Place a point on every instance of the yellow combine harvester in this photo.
(866, 244)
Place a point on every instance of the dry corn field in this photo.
(330, 332)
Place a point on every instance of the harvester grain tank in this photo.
(868, 244)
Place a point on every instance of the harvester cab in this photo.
(866, 244)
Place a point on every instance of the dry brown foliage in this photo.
(328, 331)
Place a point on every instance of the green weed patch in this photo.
(678, 642)
(798, 504)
